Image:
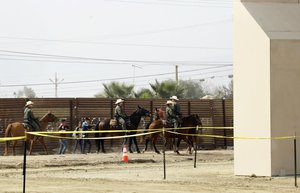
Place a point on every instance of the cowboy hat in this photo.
(174, 97)
(169, 102)
(119, 101)
(29, 103)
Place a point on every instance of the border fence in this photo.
(213, 113)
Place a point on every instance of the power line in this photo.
(111, 79)
(125, 34)
(171, 4)
(34, 54)
(119, 44)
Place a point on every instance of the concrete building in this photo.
(266, 85)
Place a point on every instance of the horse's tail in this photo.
(7, 134)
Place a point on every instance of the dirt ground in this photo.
(76, 173)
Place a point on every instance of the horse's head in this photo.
(142, 112)
(49, 117)
(161, 113)
(196, 120)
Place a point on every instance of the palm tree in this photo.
(144, 93)
(117, 90)
(167, 88)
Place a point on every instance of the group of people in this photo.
(173, 117)
(32, 123)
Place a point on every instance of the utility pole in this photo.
(176, 73)
(56, 82)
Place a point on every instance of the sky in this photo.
(91, 42)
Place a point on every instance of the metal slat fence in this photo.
(213, 113)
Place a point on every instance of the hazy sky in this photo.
(91, 42)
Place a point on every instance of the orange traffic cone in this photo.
(125, 156)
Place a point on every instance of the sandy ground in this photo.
(76, 173)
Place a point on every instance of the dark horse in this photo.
(17, 129)
(191, 122)
(134, 118)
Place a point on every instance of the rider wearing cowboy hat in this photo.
(176, 109)
(30, 120)
(120, 114)
(170, 115)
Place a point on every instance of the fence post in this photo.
(164, 154)
(224, 121)
(24, 165)
(196, 148)
(295, 160)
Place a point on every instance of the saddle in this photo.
(113, 122)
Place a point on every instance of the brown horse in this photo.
(159, 122)
(17, 129)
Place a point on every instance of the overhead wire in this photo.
(107, 79)
(207, 5)
(96, 60)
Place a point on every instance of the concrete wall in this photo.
(266, 79)
(285, 102)
(251, 95)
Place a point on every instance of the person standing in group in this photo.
(78, 137)
(85, 127)
(121, 116)
(63, 144)
(30, 120)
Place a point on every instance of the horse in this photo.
(159, 122)
(133, 124)
(17, 129)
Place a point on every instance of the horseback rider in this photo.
(30, 120)
(120, 114)
(176, 110)
(170, 115)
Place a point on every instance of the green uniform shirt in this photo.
(119, 112)
(30, 119)
(170, 113)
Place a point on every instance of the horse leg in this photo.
(97, 141)
(177, 145)
(189, 142)
(136, 145)
(6, 148)
(41, 140)
(154, 146)
(31, 146)
(146, 144)
(102, 144)
(14, 147)
(130, 144)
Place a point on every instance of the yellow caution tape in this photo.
(94, 131)
(113, 137)
(236, 137)
(12, 138)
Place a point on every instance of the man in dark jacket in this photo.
(30, 120)
(176, 109)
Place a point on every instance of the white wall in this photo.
(266, 85)
(251, 95)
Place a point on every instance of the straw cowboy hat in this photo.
(174, 97)
(169, 102)
(29, 103)
(119, 101)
